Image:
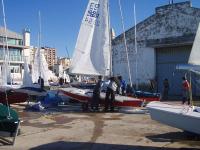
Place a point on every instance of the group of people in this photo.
(116, 85)
(185, 90)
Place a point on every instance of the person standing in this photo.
(185, 90)
(41, 82)
(110, 94)
(122, 85)
(118, 82)
(165, 89)
(96, 94)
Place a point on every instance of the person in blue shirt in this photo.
(122, 85)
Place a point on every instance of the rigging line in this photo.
(67, 52)
(125, 43)
(5, 29)
(4, 68)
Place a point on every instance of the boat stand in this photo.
(12, 141)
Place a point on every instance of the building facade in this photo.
(16, 48)
(65, 62)
(163, 41)
(50, 55)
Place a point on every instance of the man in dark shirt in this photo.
(96, 94)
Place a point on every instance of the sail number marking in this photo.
(92, 14)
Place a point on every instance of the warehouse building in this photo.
(163, 40)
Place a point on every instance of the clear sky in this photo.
(61, 18)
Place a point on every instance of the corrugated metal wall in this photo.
(166, 60)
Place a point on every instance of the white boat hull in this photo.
(178, 116)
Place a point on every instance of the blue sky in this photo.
(61, 18)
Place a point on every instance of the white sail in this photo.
(194, 61)
(27, 80)
(92, 50)
(35, 67)
(195, 52)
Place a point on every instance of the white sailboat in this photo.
(40, 66)
(181, 116)
(92, 55)
(92, 50)
(39, 69)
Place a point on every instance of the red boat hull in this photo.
(86, 99)
(13, 97)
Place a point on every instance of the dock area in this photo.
(68, 128)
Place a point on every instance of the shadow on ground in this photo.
(174, 136)
(61, 145)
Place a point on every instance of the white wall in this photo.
(145, 64)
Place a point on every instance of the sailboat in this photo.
(184, 117)
(8, 95)
(9, 119)
(39, 69)
(92, 55)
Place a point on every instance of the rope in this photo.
(136, 57)
(6, 38)
(125, 43)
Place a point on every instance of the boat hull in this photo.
(8, 124)
(178, 116)
(147, 96)
(85, 96)
(13, 96)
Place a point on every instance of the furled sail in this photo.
(194, 58)
(92, 51)
(27, 80)
(40, 68)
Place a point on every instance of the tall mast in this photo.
(39, 43)
(110, 41)
(125, 44)
(136, 63)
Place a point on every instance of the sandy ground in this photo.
(67, 128)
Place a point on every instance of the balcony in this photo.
(13, 59)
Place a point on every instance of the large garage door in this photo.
(166, 60)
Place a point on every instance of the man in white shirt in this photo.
(110, 94)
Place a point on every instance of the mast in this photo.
(136, 63)
(125, 43)
(39, 43)
(190, 89)
(110, 40)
